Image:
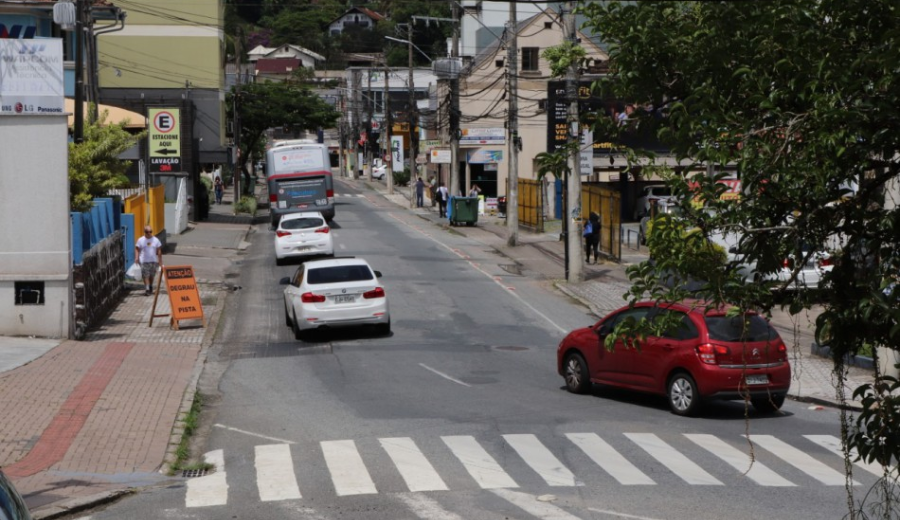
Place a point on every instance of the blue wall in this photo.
(90, 227)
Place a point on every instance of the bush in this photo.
(670, 239)
(401, 178)
(246, 205)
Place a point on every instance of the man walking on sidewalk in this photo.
(442, 195)
(420, 193)
(148, 253)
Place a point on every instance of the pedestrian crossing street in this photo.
(808, 460)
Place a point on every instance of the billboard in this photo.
(31, 77)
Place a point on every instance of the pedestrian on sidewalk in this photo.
(148, 253)
(220, 190)
(594, 219)
(432, 190)
(475, 191)
(442, 195)
(420, 193)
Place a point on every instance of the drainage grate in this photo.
(193, 473)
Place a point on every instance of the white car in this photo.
(809, 276)
(379, 172)
(332, 293)
(650, 196)
(302, 234)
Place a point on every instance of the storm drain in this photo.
(194, 473)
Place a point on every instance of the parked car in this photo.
(709, 356)
(379, 172)
(12, 505)
(301, 235)
(651, 195)
(338, 292)
(817, 264)
(663, 206)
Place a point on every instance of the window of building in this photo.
(530, 57)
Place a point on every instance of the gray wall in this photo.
(35, 235)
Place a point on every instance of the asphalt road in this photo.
(459, 413)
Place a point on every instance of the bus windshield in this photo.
(298, 159)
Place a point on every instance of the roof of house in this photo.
(368, 12)
(296, 48)
(278, 65)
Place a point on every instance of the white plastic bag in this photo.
(134, 272)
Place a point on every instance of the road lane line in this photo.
(610, 460)
(245, 432)
(445, 376)
(348, 472)
(801, 460)
(508, 289)
(275, 473)
(621, 515)
(673, 459)
(541, 459)
(415, 469)
(480, 465)
(739, 460)
(210, 490)
(424, 507)
(833, 444)
(531, 505)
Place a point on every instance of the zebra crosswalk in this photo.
(774, 462)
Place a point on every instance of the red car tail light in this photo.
(709, 353)
(786, 263)
(325, 230)
(281, 233)
(377, 292)
(273, 197)
(781, 349)
(825, 262)
(329, 194)
(312, 298)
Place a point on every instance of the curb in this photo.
(75, 505)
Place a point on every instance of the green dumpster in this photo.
(464, 210)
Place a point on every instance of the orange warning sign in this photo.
(184, 297)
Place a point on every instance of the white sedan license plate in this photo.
(344, 298)
(758, 380)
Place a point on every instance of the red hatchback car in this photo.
(709, 356)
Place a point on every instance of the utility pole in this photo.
(413, 121)
(238, 168)
(389, 156)
(78, 131)
(454, 106)
(574, 253)
(369, 163)
(512, 178)
(357, 120)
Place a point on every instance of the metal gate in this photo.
(531, 204)
(606, 203)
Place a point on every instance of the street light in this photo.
(398, 40)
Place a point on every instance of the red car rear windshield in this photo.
(750, 328)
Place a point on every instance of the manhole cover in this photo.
(193, 473)
(510, 348)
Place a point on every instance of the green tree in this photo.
(801, 97)
(268, 105)
(94, 166)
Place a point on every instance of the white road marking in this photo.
(673, 459)
(509, 290)
(427, 508)
(210, 490)
(801, 460)
(532, 506)
(276, 439)
(541, 460)
(621, 515)
(275, 473)
(445, 376)
(610, 460)
(740, 460)
(348, 472)
(415, 469)
(833, 444)
(480, 465)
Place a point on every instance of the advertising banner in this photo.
(484, 156)
(440, 156)
(397, 156)
(482, 136)
(31, 77)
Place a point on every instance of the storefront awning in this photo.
(133, 120)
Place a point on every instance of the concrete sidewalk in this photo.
(542, 254)
(87, 421)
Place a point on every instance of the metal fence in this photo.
(531, 204)
(606, 203)
(99, 281)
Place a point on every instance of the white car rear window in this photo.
(302, 223)
(339, 274)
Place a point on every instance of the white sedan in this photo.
(379, 172)
(332, 293)
(302, 234)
